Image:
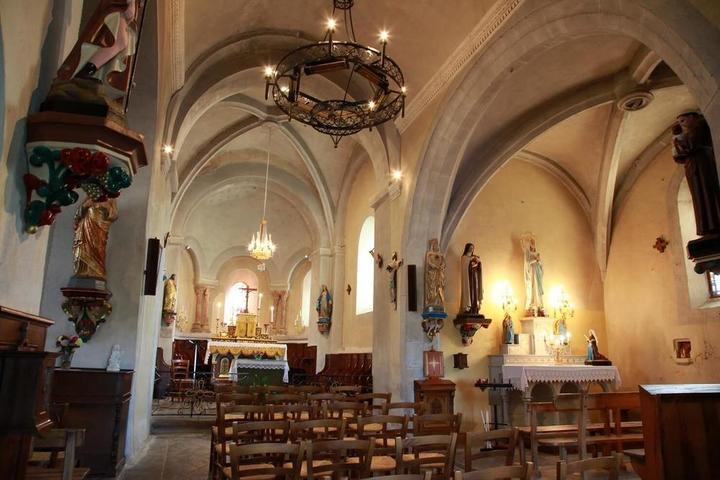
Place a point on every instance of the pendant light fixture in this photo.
(261, 246)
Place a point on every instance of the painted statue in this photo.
(392, 267)
(324, 305)
(508, 330)
(92, 226)
(471, 275)
(434, 278)
(533, 277)
(105, 51)
(169, 310)
(593, 354)
(692, 147)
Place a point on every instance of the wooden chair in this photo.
(265, 460)
(503, 445)
(241, 388)
(319, 429)
(266, 431)
(427, 476)
(320, 399)
(223, 430)
(349, 411)
(284, 398)
(376, 408)
(437, 424)
(412, 408)
(383, 429)
(234, 399)
(306, 389)
(347, 390)
(518, 472)
(294, 412)
(180, 380)
(64, 440)
(333, 458)
(435, 453)
(612, 464)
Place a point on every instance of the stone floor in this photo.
(179, 447)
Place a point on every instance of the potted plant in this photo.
(67, 347)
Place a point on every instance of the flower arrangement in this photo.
(67, 347)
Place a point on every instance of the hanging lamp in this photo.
(261, 246)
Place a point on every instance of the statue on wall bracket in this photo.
(469, 320)
(80, 139)
(533, 273)
(169, 310)
(324, 308)
(87, 296)
(434, 314)
(692, 147)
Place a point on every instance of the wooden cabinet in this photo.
(97, 401)
(24, 387)
(681, 426)
(438, 394)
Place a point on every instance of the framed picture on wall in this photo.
(433, 364)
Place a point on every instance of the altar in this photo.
(248, 361)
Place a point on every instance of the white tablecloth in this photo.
(262, 365)
(521, 375)
(233, 346)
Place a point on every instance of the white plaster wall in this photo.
(646, 292)
(36, 34)
(519, 198)
(357, 329)
(294, 300)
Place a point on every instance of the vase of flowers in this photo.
(67, 347)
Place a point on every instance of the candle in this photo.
(259, 300)
(272, 313)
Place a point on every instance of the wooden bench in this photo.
(612, 433)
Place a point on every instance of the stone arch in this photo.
(678, 40)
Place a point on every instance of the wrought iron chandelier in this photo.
(338, 117)
(261, 246)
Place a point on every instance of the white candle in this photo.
(272, 313)
(259, 300)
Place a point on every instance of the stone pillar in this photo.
(339, 295)
(203, 292)
(321, 274)
(279, 299)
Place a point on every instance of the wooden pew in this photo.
(611, 433)
(347, 369)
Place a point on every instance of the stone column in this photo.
(339, 295)
(321, 274)
(279, 299)
(203, 291)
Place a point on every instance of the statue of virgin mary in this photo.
(533, 277)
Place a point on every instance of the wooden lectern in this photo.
(437, 393)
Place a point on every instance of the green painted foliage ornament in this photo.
(68, 169)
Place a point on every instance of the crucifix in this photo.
(392, 268)
(247, 291)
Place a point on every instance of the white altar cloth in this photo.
(262, 365)
(243, 346)
(520, 376)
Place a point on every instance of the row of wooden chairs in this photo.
(356, 457)
(346, 369)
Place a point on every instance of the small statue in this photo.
(114, 360)
(324, 305)
(533, 277)
(594, 357)
(392, 267)
(692, 147)
(508, 331)
(324, 308)
(169, 312)
(471, 272)
(92, 226)
(434, 278)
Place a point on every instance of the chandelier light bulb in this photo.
(371, 105)
(403, 89)
(397, 175)
(269, 71)
(331, 24)
(384, 35)
(284, 89)
(168, 149)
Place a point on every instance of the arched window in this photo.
(306, 300)
(365, 268)
(704, 290)
(236, 300)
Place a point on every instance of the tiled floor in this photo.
(179, 449)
